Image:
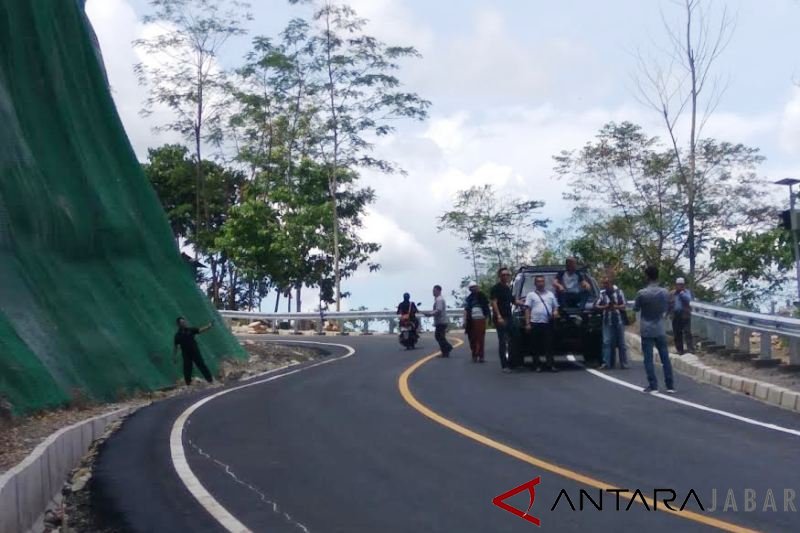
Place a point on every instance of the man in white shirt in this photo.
(541, 310)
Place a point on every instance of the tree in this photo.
(753, 264)
(631, 184)
(686, 86)
(171, 172)
(359, 97)
(498, 231)
(183, 73)
(623, 182)
(280, 232)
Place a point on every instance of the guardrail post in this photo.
(697, 325)
(794, 351)
(340, 324)
(744, 340)
(766, 346)
(711, 331)
(321, 327)
(730, 341)
(365, 329)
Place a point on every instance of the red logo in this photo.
(530, 487)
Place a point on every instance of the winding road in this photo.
(372, 438)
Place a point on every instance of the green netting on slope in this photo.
(90, 278)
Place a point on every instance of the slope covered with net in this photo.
(90, 278)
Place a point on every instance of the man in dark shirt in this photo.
(502, 299)
(189, 349)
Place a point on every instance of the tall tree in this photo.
(170, 170)
(626, 176)
(183, 73)
(171, 173)
(753, 264)
(622, 180)
(497, 231)
(683, 90)
(360, 97)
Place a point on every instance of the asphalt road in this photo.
(338, 448)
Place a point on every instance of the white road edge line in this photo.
(698, 406)
(179, 461)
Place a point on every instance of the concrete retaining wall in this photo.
(28, 488)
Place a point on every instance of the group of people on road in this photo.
(572, 289)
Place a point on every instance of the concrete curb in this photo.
(690, 365)
(27, 489)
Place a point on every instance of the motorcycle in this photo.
(409, 336)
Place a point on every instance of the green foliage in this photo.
(171, 172)
(754, 264)
(355, 94)
(632, 205)
(497, 231)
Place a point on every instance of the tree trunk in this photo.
(690, 182)
(332, 180)
(232, 281)
(214, 291)
(277, 298)
(336, 258)
(297, 303)
(197, 187)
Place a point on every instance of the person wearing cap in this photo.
(476, 311)
(680, 306)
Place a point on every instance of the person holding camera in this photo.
(680, 303)
(615, 318)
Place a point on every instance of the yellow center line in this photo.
(405, 392)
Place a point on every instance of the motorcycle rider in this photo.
(407, 307)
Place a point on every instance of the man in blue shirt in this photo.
(680, 304)
(653, 303)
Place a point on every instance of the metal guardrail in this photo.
(724, 326)
(318, 319)
(733, 328)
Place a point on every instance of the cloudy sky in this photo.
(512, 83)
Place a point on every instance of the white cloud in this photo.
(399, 244)
(489, 173)
(116, 24)
(790, 124)
(447, 132)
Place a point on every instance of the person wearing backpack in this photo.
(612, 303)
(476, 312)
